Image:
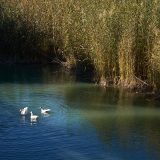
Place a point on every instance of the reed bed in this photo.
(118, 39)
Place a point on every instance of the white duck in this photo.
(24, 111)
(45, 111)
(33, 117)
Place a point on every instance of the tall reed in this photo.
(119, 39)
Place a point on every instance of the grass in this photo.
(119, 40)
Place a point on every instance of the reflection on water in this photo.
(123, 120)
(23, 119)
(46, 115)
(87, 122)
(21, 74)
(33, 122)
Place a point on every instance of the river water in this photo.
(87, 122)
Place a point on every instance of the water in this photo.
(86, 123)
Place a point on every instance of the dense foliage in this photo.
(118, 39)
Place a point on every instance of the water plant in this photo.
(119, 40)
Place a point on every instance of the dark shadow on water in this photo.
(40, 73)
(34, 74)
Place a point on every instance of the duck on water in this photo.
(24, 111)
(45, 110)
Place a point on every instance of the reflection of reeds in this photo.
(119, 39)
(118, 116)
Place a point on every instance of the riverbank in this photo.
(117, 43)
(86, 122)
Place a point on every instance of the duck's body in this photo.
(24, 111)
(45, 111)
(33, 117)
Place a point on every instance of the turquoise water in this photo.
(86, 123)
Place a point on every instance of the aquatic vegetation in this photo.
(117, 40)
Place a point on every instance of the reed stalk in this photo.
(119, 39)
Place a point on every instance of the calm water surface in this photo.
(87, 122)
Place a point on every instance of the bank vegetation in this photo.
(117, 40)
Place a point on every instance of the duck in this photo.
(33, 117)
(45, 111)
(24, 111)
